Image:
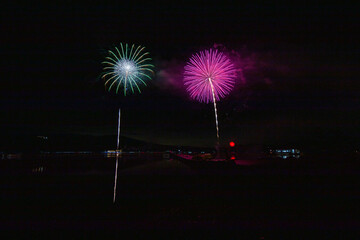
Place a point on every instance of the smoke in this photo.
(255, 66)
(169, 76)
(257, 72)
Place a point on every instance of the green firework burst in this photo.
(127, 68)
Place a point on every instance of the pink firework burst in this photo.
(209, 74)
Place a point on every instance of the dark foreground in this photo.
(179, 198)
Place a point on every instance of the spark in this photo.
(209, 64)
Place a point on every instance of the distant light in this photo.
(232, 158)
(232, 144)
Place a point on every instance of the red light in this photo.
(232, 158)
(232, 144)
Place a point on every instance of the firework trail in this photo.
(127, 68)
(209, 76)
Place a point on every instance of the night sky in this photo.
(298, 84)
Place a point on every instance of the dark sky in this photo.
(299, 65)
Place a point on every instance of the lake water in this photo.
(73, 193)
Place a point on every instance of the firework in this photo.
(209, 76)
(127, 68)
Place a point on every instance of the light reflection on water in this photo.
(73, 162)
(39, 169)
